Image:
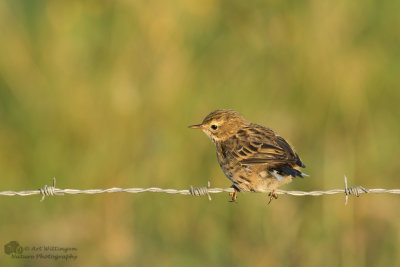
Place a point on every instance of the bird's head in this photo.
(221, 124)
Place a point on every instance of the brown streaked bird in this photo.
(252, 156)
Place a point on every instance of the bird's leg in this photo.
(272, 195)
(233, 194)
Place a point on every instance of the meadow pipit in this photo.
(252, 156)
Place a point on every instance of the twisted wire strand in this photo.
(194, 191)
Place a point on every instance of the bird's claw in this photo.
(272, 195)
(233, 195)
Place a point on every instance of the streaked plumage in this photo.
(252, 156)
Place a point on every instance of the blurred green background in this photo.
(99, 94)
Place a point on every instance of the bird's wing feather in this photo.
(259, 145)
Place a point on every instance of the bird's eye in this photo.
(214, 127)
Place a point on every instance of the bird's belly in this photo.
(255, 179)
(242, 177)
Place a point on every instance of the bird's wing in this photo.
(259, 145)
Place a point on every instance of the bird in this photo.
(253, 157)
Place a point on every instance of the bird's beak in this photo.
(197, 126)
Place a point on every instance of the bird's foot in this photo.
(233, 195)
(272, 195)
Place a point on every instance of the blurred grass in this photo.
(99, 94)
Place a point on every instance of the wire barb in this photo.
(200, 191)
(49, 190)
(353, 190)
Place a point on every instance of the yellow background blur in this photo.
(99, 94)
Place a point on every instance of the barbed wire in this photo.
(195, 191)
